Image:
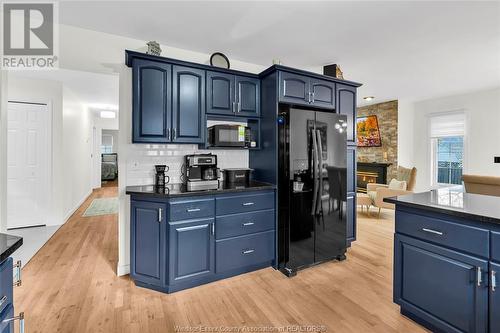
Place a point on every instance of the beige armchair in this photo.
(486, 185)
(377, 192)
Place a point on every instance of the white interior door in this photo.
(27, 165)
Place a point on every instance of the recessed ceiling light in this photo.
(368, 98)
(108, 114)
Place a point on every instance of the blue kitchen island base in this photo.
(446, 260)
(181, 240)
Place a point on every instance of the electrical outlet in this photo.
(497, 159)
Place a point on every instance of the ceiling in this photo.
(398, 50)
(96, 91)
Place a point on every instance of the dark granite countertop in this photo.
(453, 201)
(179, 190)
(9, 244)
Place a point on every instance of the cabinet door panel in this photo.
(247, 96)
(188, 116)
(351, 169)
(220, 93)
(151, 101)
(495, 300)
(346, 104)
(441, 284)
(351, 217)
(147, 241)
(294, 88)
(323, 93)
(191, 250)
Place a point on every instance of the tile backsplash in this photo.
(141, 159)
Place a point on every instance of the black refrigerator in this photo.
(312, 183)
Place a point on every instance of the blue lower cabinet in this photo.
(441, 288)
(6, 284)
(6, 325)
(494, 297)
(191, 250)
(148, 243)
(181, 243)
(245, 251)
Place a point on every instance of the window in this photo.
(447, 133)
(107, 144)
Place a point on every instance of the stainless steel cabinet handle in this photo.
(213, 229)
(312, 101)
(479, 274)
(493, 281)
(160, 213)
(192, 210)
(234, 107)
(248, 224)
(3, 300)
(309, 97)
(174, 134)
(239, 107)
(435, 232)
(17, 267)
(248, 203)
(21, 321)
(168, 134)
(248, 251)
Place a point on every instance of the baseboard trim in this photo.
(122, 270)
(74, 209)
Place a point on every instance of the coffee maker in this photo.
(201, 172)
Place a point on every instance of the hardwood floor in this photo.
(71, 286)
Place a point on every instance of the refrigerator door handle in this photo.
(315, 174)
(320, 171)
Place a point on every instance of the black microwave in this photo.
(229, 136)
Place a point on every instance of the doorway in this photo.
(28, 164)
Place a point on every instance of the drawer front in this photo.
(244, 251)
(244, 203)
(6, 281)
(191, 209)
(457, 236)
(244, 223)
(495, 246)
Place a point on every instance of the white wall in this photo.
(48, 92)
(70, 142)
(3, 149)
(77, 150)
(482, 110)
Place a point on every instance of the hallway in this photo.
(71, 286)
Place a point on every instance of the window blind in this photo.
(446, 125)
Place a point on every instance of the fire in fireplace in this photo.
(364, 178)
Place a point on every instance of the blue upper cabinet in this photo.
(168, 103)
(220, 93)
(191, 250)
(346, 104)
(152, 87)
(148, 233)
(234, 95)
(322, 93)
(247, 96)
(188, 115)
(294, 88)
(305, 90)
